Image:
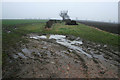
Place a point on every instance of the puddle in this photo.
(8, 31)
(38, 37)
(39, 54)
(15, 56)
(76, 42)
(48, 53)
(57, 37)
(22, 55)
(27, 52)
(98, 56)
(61, 39)
(69, 45)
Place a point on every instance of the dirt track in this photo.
(42, 57)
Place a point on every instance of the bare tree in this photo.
(64, 15)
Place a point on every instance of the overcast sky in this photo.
(60, 0)
(97, 11)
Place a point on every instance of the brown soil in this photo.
(45, 58)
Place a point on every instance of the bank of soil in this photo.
(60, 56)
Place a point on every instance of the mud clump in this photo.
(70, 22)
(51, 22)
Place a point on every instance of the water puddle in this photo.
(22, 55)
(57, 37)
(61, 39)
(73, 45)
(27, 52)
(8, 31)
(39, 54)
(98, 56)
(15, 56)
(38, 37)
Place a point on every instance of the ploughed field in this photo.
(110, 27)
(79, 51)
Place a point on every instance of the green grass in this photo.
(80, 30)
(20, 21)
(15, 35)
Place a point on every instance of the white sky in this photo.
(97, 11)
(60, 0)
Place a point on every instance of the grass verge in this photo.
(81, 30)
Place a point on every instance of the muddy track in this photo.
(59, 56)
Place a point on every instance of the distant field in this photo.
(110, 27)
(81, 30)
(21, 21)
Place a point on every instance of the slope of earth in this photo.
(31, 51)
(60, 56)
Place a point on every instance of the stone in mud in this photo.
(26, 51)
(15, 56)
(10, 61)
(41, 75)
(106, 57)
(8, 31)
(98, 45)
(95, 60)
(68, 68)
(41, 68)
(21, 55)
(47, 61)
(43, 43)
(55, 57)
(89, 48)
(96, 52)
(105, 46)
(52, 62)
(39, 54)
(44, 47)
(70, 50)
(72, 38)
(102, 72)
(36, 55)
(76, 61)
(78, 38)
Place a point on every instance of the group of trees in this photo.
(64, 15)
(67, 19)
